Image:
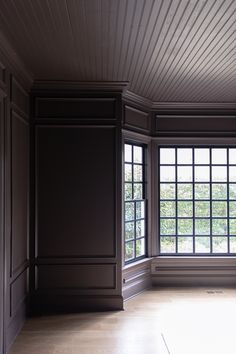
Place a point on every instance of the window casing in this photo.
(197, 200)
(135, 229)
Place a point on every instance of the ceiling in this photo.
(168, 51)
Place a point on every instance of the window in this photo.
(197, 200)
(134, 202)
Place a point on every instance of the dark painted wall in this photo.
(14, 203)
(77, 227)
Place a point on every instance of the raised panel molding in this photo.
(19, 98)
(137, 119)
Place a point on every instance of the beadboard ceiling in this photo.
(168, 51)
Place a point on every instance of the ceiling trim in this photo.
(13, 62)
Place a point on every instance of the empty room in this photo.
(117, 176)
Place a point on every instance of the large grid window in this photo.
(134, 202)
(197, 200)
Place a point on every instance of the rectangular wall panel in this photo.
(18, 290)
(19, 97)
(137, 119)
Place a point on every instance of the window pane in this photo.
(129, 230)
(167, 156)
(202, 191)
(184, 156)
(128, 191)
(167, 244)
(232, 227)
(232, 209)
(185, 227)
(185, 209)
(129, 211)
(140, 247)
(232, 156)
(138, 173)
(167, 191)
(219, 245)
(202, 209)
(219, 191)
(185, 244)
(128, 153)
(202, 244)
(232, 173)
(167, 226)
(202, 173)
(138, 191)
(232, 191)
(202, 227)
(140, 210)
(129, 250)
(167, 173)
(219, 227)
(167, 208)
(201, 156)
(128, 172)
(232, 244)
(219, 209)
(138, 154)
(219, 174)
(219, 156)
(140, 228)
(185, 173)
(185, 191)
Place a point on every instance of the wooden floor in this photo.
(163, 321)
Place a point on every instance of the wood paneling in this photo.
(19, 292)
(136, 119)
(20, 192)
(19, 98)
(76, 205)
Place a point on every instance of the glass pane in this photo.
(202, 227)
(185, 191)
(185, 173)
(232, 173)
(128, 153)
(219, 209)
(202, 209)
(140, 228)
(140, 210)
(167, 156)
(185, 209)
(185, 227)
(128, 172)
(129, 211)
(232, 191)
(232, 244)
(140, 247)
(219, 174)
(219, 245)
(184, 156)
(167, 173)
(167, 209)
(202, 173)
(129, 230)
(232, 156)
(232, 209)
(167, 245)
(219, 227)
(201, 156)
(202, 191)
(128, 191)
(167, 191)
(138, 191)
(202, 244)
(232, 227)
(138, 154)
(138, 173)
(167, 226)
(129, 250)
(219, 191)
(219, 156)
(185, 244)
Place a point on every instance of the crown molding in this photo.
(131, 97)
(12, 61)
(109, 86)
